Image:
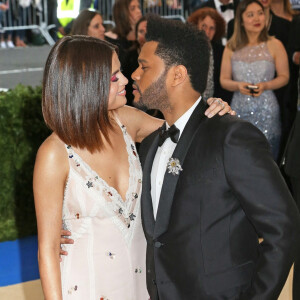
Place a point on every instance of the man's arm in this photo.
(266, 201)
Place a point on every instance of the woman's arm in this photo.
(50, 173)
(226, 75)
(139, 124)
(282, 68)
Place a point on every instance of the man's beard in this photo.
(155, 96)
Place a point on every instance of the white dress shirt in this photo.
(228, 14)
(162, 156)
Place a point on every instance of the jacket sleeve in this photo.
(267, 203)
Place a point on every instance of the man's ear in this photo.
(179, 75)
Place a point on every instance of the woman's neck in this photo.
(278, 9)
(253, 38)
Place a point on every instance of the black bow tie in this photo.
(173, 133)
(227, 6)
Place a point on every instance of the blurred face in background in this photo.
(135, 12)
(141, 33)
(96, 28)
(208, 25)
(265, 3)
(253, 18)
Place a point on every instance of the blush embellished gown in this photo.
(107, 260)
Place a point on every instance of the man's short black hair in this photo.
(181, 44)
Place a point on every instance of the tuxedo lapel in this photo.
(146, 200)
(170, 180)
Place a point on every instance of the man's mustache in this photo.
(136, 87)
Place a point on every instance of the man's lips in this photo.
(136, 88)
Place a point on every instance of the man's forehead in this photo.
(148, 50)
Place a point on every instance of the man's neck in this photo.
(177, 110)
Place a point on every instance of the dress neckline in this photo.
(110, 188)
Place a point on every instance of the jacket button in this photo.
(157, 244)
(154, 281)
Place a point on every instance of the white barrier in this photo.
(32, 17)
(35, 15)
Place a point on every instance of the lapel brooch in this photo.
(174, 166)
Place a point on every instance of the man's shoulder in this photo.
(225, 125)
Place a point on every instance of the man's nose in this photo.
(135, 74)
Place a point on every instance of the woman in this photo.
(88, 177)
(213, 24)
(283, 9)
(89, 22)
(249, 62)
(126, 13)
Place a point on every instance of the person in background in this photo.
(291, 158)
(276, 26)
(4, 44)
(249, 63)
(224, 7)
(212, 23)
(283, 9)
(126, 13)
(89, 22)
(131, 62)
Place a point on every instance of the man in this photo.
(224, 7)
(208, 198)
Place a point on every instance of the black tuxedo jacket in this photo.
(204, 242)
(292, 166)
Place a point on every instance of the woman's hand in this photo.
(242, 87)
(64, 240)
(261, 87)
(217, 105)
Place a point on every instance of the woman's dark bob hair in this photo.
(76, 87)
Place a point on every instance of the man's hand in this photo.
(217, 105)
(65, 240)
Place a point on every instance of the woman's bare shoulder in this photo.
(52, 151)
(274, 44)
(276, 48)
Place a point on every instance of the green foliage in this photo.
(22, 130)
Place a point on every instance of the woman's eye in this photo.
(114, 78)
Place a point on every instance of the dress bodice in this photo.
(253, 64)
(107, 260)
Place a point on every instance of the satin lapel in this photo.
(170, 180)
(146, 200)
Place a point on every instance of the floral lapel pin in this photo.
(174, 166)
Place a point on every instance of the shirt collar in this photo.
(218, 4)
(181, 122)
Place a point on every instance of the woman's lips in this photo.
(122, 93)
